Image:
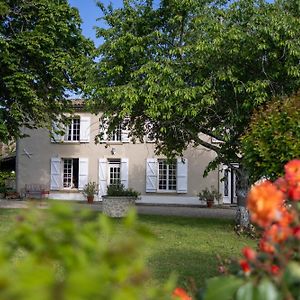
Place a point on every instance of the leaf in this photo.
(266, 291)
(245, 292)
(222, 287)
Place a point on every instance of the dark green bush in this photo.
(119, 190)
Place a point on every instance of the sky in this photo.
(89, 12)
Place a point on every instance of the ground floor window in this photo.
(114, 171)
(167, 177)
(70, 172)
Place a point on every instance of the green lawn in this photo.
(186, 246)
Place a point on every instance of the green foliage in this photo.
(195, 67)
(43, 56)
(120, 190)
(4, 175)
(65, 253)
(209, 194)
(90, 189)
(273, 138)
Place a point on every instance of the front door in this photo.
(228, 185)
(114, 172)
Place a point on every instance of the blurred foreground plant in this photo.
(69, 254)
(272, 272)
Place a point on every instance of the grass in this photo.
(185, 246)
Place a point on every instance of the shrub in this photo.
(273, 138)
(117, 190)
(65, 253)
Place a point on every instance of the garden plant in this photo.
(272, 271)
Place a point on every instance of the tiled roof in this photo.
(77, 103)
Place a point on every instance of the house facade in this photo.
(67, 162)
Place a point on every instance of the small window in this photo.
(116, 135)
(73, 130)
(114, 172)
(167, 176)
(70, 173)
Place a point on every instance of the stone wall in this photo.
(117, 207)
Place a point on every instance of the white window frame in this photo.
(113, 163)
(73, 130)
(167, 179)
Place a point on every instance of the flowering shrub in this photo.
(273, 270)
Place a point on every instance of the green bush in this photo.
(273, 138)
(67, 254)
(117, 190)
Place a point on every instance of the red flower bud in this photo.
(245, 266)
(296, 232)
(249, 253)
(275, 270)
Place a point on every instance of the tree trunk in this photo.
(242, 217)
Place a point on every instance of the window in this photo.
(120, 134)
(73, 130)
(167, 176)
(114, 172)
(70, 172)
(116, 135)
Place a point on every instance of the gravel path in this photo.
(165, 210)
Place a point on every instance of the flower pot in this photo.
(210, 203)
(90, 199)
(117, 206)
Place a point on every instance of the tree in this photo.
(194, 69)
(273, 138)
(42, 59)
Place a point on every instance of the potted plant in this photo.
(89, 190)
(210, 195)
(118, 200)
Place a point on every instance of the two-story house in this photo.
(67, 162)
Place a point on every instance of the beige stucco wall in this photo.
(34, 154)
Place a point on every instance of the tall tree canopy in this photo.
(193, 69)
(42, 57)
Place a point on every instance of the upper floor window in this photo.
(120, 134)
(73, 130)
(116, 135)
(77, 130)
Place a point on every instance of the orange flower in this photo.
(181, 293)
(245, 266)
(292, 172)
(294, 192)
(282, 184)
(266, 247)
(284, 217)
(277, 233)
(249, 253)
(264, 201)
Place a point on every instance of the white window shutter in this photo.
(102, 176)
(85, 128)
(83, 172)
(182, 175)
(124, 172)
(151, 175)
(55, 176)
(56, 137)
